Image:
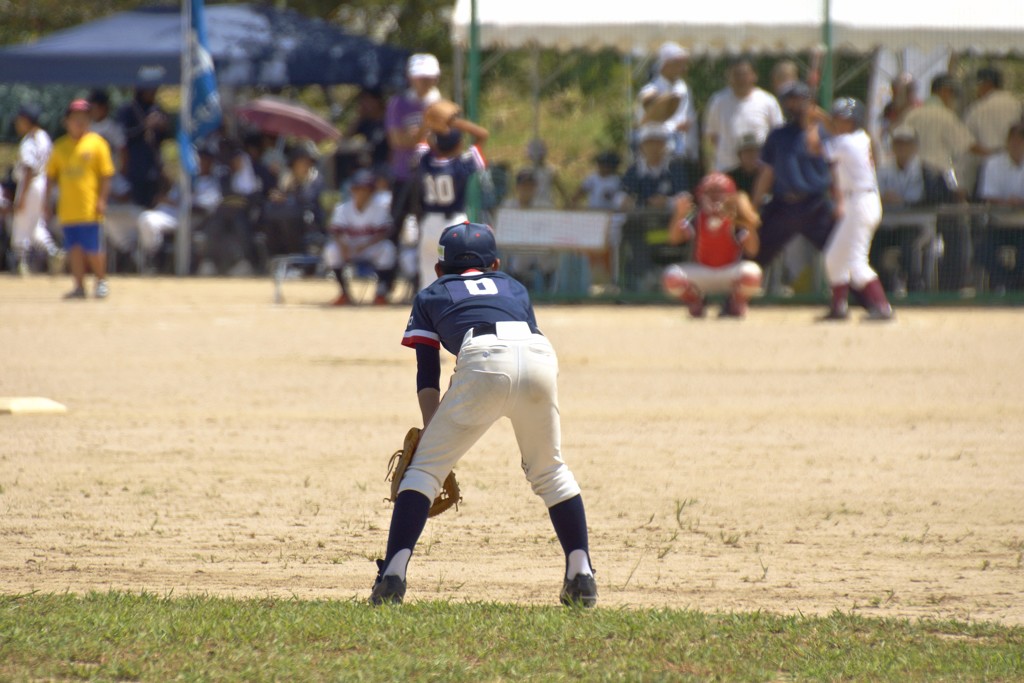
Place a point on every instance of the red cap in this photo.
(79, 105)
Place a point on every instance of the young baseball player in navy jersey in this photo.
(444, 173)
(504, 367)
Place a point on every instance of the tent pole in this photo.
(183, 237)
(473, 100)
(826, 91)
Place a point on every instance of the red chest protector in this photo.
(716, 246)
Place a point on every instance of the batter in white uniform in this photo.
(860, 211)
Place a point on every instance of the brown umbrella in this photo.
(285, 118)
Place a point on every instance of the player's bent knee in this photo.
(554, 485)
(421, 482)
(674, 281)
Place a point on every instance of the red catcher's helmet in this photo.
(712, 192)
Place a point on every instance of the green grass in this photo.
(122, 636)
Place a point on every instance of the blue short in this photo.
(84, 235)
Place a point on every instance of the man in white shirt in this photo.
(1001, 249)
(28, 226)
(738, 110)
(673, 63)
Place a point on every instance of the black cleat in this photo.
(387, 590)
(833, 316)
(579, 591)
(879, 314)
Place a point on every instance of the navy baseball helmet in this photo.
(849, 108)
(364, 177)
(468, 245)
(447, 142)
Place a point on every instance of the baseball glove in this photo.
(400, 459)
(438, 116)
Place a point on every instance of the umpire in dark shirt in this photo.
(797, 177)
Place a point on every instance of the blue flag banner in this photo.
(202, 114)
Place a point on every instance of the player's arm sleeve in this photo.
(104, 162)
(428, 367)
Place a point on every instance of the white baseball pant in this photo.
(28, 227)
(725, 279)
(431, 227)
(846, 254)
(510, 374)
(381, 255)
(153, 225)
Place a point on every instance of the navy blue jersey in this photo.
(443, 312)
(796, 170)
(445, 180)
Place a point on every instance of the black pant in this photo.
(813, 217)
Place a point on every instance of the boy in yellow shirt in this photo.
(82, 168)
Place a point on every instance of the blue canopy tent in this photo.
(250, 46)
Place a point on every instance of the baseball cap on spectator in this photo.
(99, 97)
(795, 89)
(30, 111)
(363, 178)
(423, 65)
(608, 158)
(670, 51)
(988, 74)
(652, 131)
(904, 133)
(79, 105)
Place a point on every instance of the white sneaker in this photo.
(56, 262)
(102, 289)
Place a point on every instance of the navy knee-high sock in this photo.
(570, 522)
(407, 522)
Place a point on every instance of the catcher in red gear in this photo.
(723, 225)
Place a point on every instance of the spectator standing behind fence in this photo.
(795, 174)
(405, 131)
(907, 181)
(672, 66)
(649, 185)
(943, 138)
(1001, 248)
(745, 172)
(602, 185)
(294, 215)
(545, 175)
(739, 109)
(990, 116)
(360, 234)
(145, 127)
(81, 167)
(28, 227)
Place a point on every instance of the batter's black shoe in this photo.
(579, 591)
(833, 316)
(387, 590)
(879, 314)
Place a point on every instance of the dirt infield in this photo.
(217, 443)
